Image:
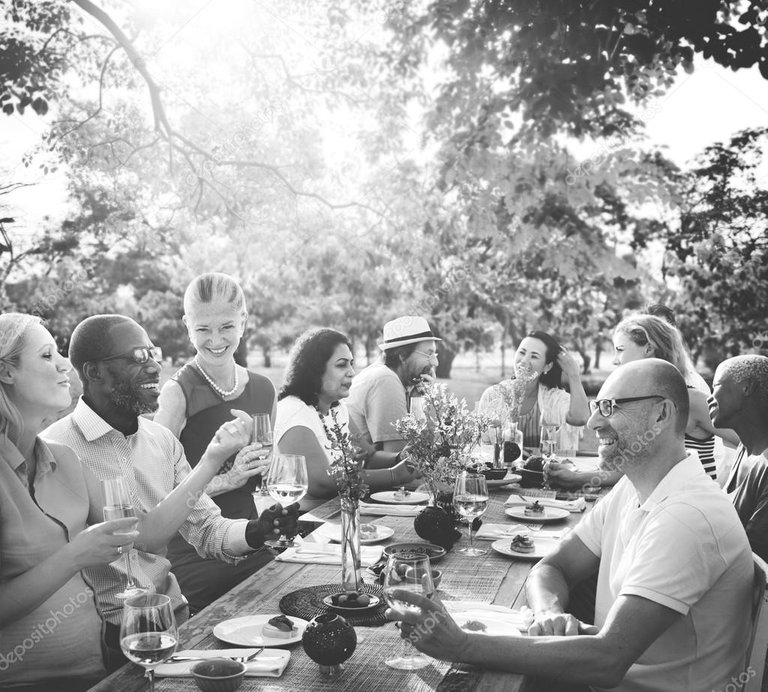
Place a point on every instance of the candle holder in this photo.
(329, 640)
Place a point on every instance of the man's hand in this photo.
(272, 522)
(431, 630)
(559, 625)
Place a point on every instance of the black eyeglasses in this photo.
(608, 406)
(140, 354)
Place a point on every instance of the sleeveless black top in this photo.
(206, 412)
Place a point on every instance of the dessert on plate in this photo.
(522, 543)
(533, 510)
(279, 627)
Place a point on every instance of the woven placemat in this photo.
(308, 603)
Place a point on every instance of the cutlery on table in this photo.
(240, 659)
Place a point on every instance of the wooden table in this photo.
(492, 578)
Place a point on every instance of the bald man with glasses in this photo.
(674, 568)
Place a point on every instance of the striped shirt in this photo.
(706, 450)
(153, 463)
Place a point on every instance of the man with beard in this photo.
(740, 401)
(673, 562)
(382, 392)
(117, 365)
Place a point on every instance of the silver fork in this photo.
(239, 659)
(245, 659)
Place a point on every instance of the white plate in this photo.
(550, 514)
(498, 620)
(542, 547)
(333, 533)
(394, 497)
(511, 478)
(246, 631)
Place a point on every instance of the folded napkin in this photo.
(577, 505)
(489, 619)
(326, 554)
(269, 663)
(492, 532)
(381, 510)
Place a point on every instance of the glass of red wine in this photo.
(148, 632)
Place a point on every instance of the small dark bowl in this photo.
(531, 479)
(494, 474)
(218, 674)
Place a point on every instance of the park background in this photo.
(496, 167)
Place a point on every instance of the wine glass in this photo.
(412, 572)
(287, 483)
(262, 435)
(470, 498)
(119, 505)
(148, 632)
(548, 445)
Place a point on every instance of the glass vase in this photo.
(351, 578)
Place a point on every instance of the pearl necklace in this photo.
(221, 392)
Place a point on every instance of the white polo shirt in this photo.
(685, 549)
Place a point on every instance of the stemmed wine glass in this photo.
(412, 572)
(287, 483)
(262, 435)
(119, 505)
(470, 498)
(148, 632)
(548, 445)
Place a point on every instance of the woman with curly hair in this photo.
(310, 403)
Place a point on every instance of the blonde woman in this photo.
(50, 524)
(194, 403)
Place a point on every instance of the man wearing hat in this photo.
(380, 394)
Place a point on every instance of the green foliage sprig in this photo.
(345, 468)
(440, 443)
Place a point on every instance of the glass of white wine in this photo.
(119, 505)
(148, 632)
(470, 498)
(263, 435)
(287, 483)
(412, 572)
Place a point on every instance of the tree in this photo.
(718, 252)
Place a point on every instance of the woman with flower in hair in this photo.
(193, 404)
(310, 411)
(534, 395)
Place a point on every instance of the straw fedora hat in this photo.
(406, 330)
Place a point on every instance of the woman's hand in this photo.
(230, 438)
(103, 543)
(569, 365)
(564, 475)
(246, 465)
(271, 523)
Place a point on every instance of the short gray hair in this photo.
(750, 368)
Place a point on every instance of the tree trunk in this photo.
(598, 351)
(446, 356)
(266, 352)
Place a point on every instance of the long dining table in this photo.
(492, 578)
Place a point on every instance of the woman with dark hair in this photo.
(319, 374)
(540, 363)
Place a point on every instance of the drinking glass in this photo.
(148, 632)
(287, 483)
(119, 505)
(412, 572)
(470, 498)
(548, 445)
(262, 434)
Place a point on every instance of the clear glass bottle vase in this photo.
(351, 578)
